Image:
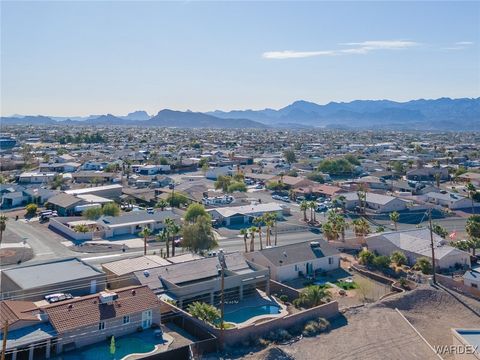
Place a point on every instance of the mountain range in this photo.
(438, 114)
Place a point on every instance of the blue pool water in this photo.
(142, 342)
(243, 314)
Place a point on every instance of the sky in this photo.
(70, 58)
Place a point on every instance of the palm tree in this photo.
(362, 196)
(304, 207)
(437, 179)
(258, 221)
(314, 295)
(394, 217)
(361, 228)
(3, 225)
(173, 229)
(312, 205)
(330, 231)
(472, 228)
(341, 225)
(342, 199)
(245, 234)
(161, 204)
(81, 228)
(252, 230)
(472, 190)
(268, 220)
(145, 233)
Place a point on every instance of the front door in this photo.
(147, 319)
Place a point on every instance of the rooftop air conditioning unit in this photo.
(107, 297)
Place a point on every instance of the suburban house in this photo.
(35, 177)
(416, 244)
(322, 190)
(472, 277)
(428, 174)
(450, 200)
(133, 222)
(69, 205)
(215, 172)
(153, 169)
(89, 319)
(471, 177)
(237, 215)
(200, 280)
(33, 282)
(67, 167)
(17, 195)
(376, 202)
(289, 262)
(29, 333)
(93, 177)
(295, 182)
(113, 191)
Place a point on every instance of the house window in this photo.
(101, 325)
(475, 286)
(147, 319)
(126, 319)
(296, 268)
(330, 261)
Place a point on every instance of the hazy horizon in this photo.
(81, 58)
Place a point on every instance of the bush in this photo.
(398, 258)
(314, 327)
(278, 335)
(31, 209)
(283, 298)
(381, 262)
(424, 265)
(111, 209)
(366, 257)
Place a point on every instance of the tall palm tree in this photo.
(145, 233)
(245, 234)
(259, 221)
(472, 190)
(3, 225)
(362, 196)
(342, 200)
(269, 222)
(341, 225)
(252, 230)
(173, 230)
(312, 205)
(361, 228)
(472, 228)
(394, 217)
(304, 207)
(330, 231)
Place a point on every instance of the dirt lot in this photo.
(377, 331)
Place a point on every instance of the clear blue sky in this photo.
(77, 58)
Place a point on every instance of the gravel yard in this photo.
(377, 331)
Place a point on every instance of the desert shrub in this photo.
(283, 298)
(314, 327)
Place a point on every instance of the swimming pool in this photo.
(246, 313)
(136, 343)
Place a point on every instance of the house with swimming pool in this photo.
(289, 262)
(200, 280)
(90, 319)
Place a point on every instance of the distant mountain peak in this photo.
(137, 115)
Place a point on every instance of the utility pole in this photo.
(4, 342)
(221, 258)
(432, 245)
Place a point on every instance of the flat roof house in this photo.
(36, 177)
(376, 202)
(133, 222)
(244, 214)
(113, 191)
(450, 200)
(302, 259)
(33, 282)
(200, 280)
(90, 319)
(415, 244)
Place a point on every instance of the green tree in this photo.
(3, 226)
(237, 186)
(366, 257)
(112, 346)
(111, 209)
(395, 217)
(289, 156)
(304, 207)
(173, 229)
(223, 182)
(259, 222)
(204, 312)
(93, 213)
(381, 262)
(440, 230)
(424, 265)
(330, 231)
(31, 209)
(398, 258)
(316, 176)
(312, 296)
(244, 233)
(161, 204)
(194, 210)
(339, 167)
(145, 233)
(81, 228)
(177, 199)
(352, 159)
(361, 228)
(472, 191)
(199, 235)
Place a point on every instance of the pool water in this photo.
(246, 313)
(142, 342)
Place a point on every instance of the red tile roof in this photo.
(14, 311)
(88, 310)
